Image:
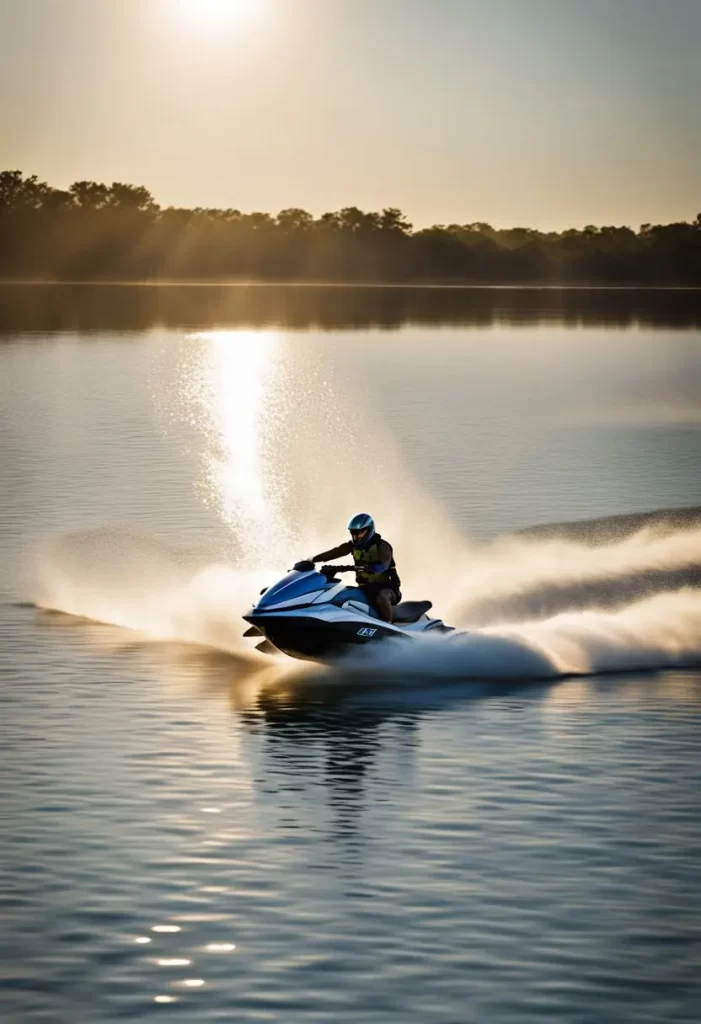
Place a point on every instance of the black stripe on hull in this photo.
(305, 637)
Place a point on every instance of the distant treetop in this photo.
(95, 231)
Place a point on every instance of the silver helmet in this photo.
(362, 529)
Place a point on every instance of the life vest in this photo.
(370, 554)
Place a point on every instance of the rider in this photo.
(374, 564)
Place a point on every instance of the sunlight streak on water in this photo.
(232, 396)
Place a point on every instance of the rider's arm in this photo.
(342, 549)
(385, 552)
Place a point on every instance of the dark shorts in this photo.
(371, 590)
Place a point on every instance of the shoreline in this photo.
(395, 285)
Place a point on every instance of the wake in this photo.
(126, 579)
(528, 607)
(661, 632)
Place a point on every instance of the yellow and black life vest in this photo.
(370, 554)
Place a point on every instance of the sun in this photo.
(214, 11)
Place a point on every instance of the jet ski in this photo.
(311, 614)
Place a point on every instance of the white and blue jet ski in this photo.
(312, 614)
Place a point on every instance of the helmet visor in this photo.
(358, 536)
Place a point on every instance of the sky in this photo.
(538, 113)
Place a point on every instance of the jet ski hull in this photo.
(302, 636)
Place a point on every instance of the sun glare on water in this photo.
(231, 391)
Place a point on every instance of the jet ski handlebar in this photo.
(331, 570)
(326, 570)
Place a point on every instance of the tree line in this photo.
(98, 232)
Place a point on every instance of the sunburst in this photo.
(218, 11)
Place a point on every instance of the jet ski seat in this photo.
(410, 611)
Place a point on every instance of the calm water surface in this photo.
(198, 833)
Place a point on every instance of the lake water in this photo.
(502, 833)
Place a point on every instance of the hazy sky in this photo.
(547, 113)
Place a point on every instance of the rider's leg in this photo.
(383, 603)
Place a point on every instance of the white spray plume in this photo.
(131, 581)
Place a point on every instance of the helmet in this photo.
(362, 529)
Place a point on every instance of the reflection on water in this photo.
(229, 382)
(332, 740)
(90, 308)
